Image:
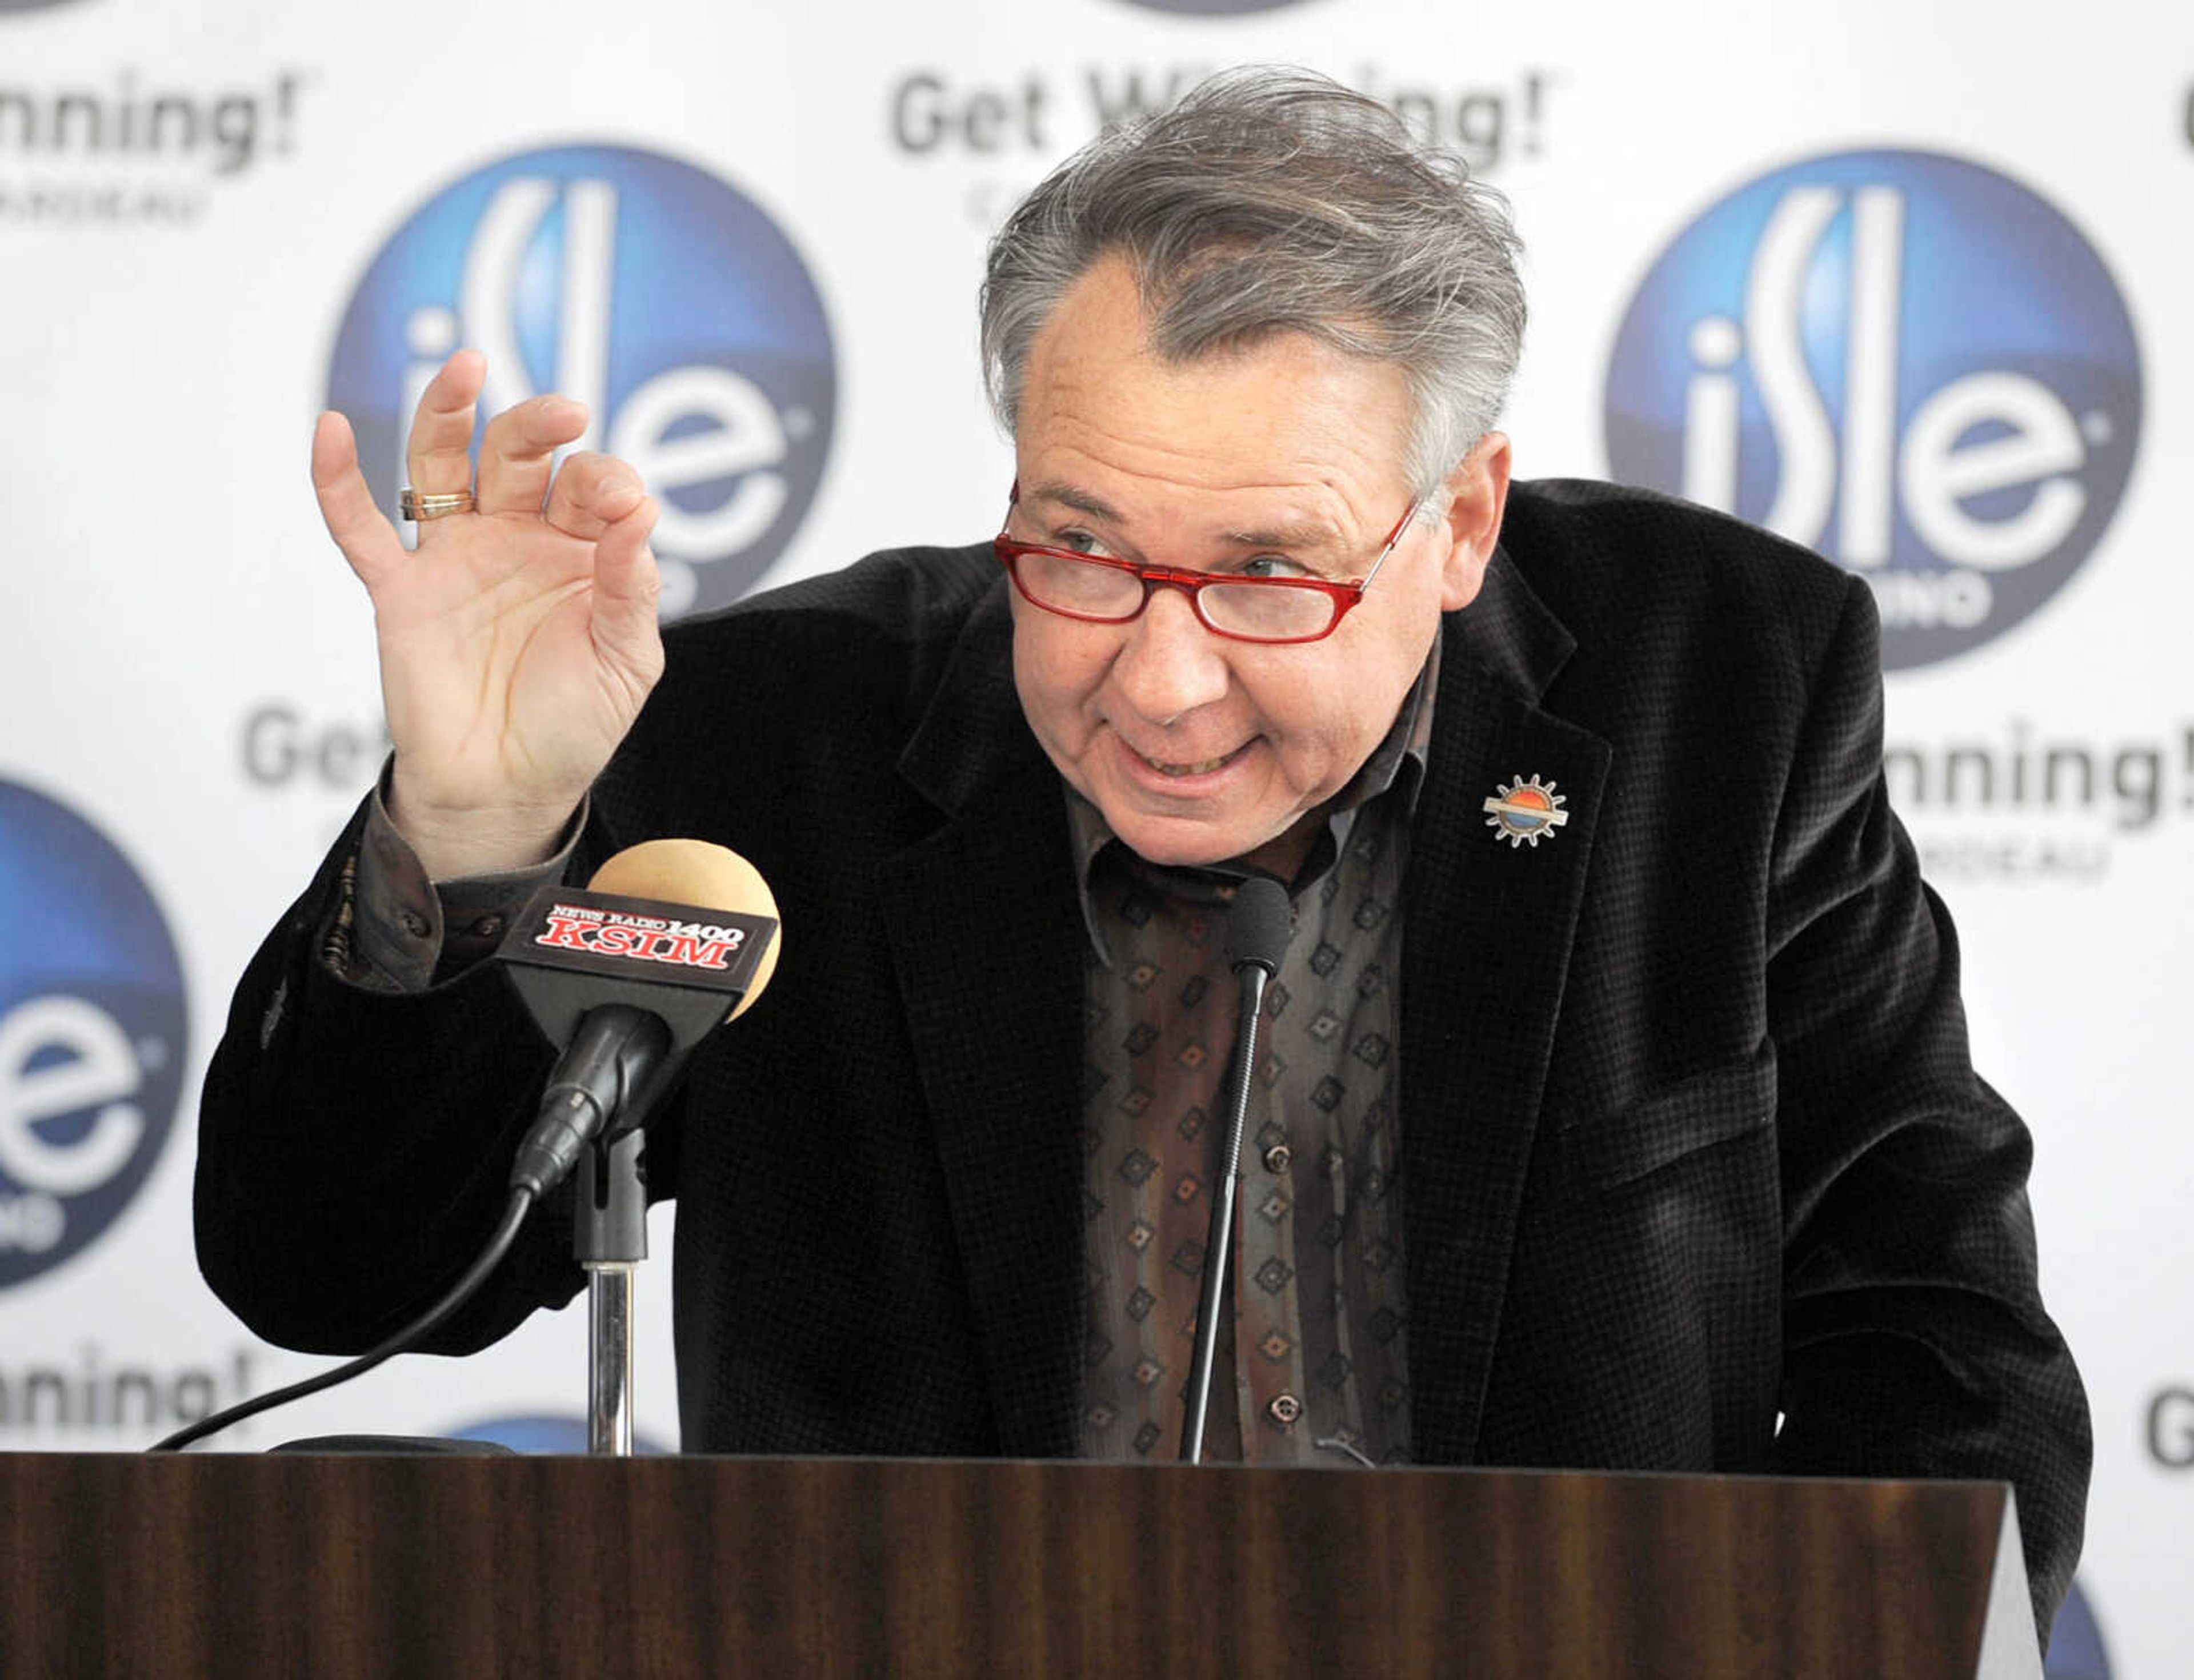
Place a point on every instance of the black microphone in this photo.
(628, 984)
(1259, 925)
(628, 973)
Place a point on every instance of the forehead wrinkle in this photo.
(1096, 370)
(1075, 497)
(1297, 535)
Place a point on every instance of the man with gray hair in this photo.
(1616, 1110)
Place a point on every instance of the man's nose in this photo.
(1169, 664)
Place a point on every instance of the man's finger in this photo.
(626, 589)
(438, 460)
(367, 540)
(517, 454)
(592, 492)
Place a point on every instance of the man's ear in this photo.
(1477, 493)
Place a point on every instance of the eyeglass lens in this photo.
(1074, 586)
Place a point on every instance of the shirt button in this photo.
(415, 924)
(1277, 1157)
(1283, 1409)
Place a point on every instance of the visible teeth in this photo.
(1208, 765)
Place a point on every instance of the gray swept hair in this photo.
(1272, 200)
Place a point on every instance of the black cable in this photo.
(506, 1233)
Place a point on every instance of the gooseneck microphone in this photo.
(1259, 925)
(626, 975)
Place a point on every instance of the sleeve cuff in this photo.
(408, 932)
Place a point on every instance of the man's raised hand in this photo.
(518, 641)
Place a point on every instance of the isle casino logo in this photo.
(1911, 363)
(91, 1033)
(656, 293)
(557, 1432)
(2076, 1650)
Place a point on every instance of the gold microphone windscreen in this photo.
(704, 875)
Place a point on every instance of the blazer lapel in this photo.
(987, 940)
(986, 936)
(1486, 934)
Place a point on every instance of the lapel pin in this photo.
(1525, 813)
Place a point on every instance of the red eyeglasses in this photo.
(1097, 589)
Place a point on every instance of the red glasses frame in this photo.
(1344, 596)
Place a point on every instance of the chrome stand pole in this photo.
(609, 1358)
(610, 1236)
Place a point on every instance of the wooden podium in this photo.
(215, 1564)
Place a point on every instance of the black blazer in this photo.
(1689, 1134)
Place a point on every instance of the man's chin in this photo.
(1170, 842)
(1185, 844)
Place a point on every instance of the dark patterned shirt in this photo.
(1315, 1354)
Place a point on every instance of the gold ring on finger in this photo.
(415, 506)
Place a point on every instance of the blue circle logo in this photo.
(658, 295)
(545, 1432)
(2076, 1651)
(1906, 361)
(91, 1033)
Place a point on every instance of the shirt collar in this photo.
(1395, 763)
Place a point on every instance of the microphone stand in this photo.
(610, 1240)
(1218, 1243)
(1259, 925)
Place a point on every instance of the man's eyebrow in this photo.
(1298, 537)
(1081, 500)
(1307, 535)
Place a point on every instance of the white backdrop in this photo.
(214, 220)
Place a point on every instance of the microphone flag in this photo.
(689, 963)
